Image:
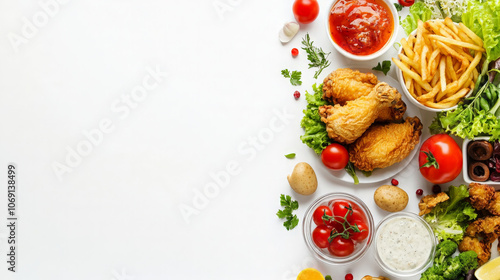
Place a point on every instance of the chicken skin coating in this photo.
(384, 145)
(481, 248)
(494, 205)
(430, 201)
(345, 84)
(347, 123)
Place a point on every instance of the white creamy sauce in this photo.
(404, 244)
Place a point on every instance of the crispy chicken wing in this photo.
(383, 145)
(430, 201)
(481, 248)
(494, 204)
(345, 84)
(480, 195)
(347, 123)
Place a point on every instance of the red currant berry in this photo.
(420, 192)
(296, 94)
(349, 276)
(436, 189)
(394, 182)
(295, 52)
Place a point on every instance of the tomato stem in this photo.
(431, 160)
(345, 224)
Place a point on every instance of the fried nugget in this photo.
(481, 248)
(488, 228)
(494, 205)
(430, 201)
(480, 195)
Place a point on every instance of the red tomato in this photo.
(341, 247)
(305, 11)
(340, 209)
(406, 3)
(318, 214)
(335, 156)
(357, 215)
(360, 236)
(440, 159)
(320, 236)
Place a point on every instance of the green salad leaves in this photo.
(315, 136)
(418, 11)
(450, 218)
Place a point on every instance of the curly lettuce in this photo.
(483, 18)
(450, 218)
(418, 11)
(315, 136)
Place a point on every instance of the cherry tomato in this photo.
(440, 159)
(341, 247)
(305, 11)
(356, 215)
(340, 209)
(318, 214)
(360, 236)
(320, 236)
(335, 156)
(406, 3)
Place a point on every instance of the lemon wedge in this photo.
(489, 270)
(310, 274)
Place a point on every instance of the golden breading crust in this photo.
(430, 201)
(480, 195)
(494, 205)
(481, 248)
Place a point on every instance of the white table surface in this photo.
(115, 212)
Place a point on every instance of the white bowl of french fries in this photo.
(448, 72)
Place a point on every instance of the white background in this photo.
(117, 215)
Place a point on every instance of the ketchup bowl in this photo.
(347, 212)
(362, 29)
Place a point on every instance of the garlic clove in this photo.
(288, 31)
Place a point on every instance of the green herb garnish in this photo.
(294, 76)
(399, 7)
(292, 155)
(291, 220)
(316, 56)
(384, 67)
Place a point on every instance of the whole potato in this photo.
(390, 198)
(303, 179)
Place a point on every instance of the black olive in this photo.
(480, 150)
(479, 172)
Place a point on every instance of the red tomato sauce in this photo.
(361, 27)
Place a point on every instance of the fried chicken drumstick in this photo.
(345, 84)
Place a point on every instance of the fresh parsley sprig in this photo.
(290, 205)
(384, 67)
(316, 56)
(399, 7)
(294, 76)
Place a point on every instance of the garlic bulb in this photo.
(288, 32)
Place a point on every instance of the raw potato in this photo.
(390, 198)
(303, 179)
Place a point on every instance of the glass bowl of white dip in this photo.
(404, 244)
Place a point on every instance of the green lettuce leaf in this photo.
(483, 18)
(417, 11)
(315, 136)
(450, 218)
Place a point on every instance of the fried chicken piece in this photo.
(494, 205)
(383, 145)
(345, 84)
(481, 248)
(430, 201)
(480, 195)
(488, 228)
(347, 123)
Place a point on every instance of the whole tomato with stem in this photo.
(440, 159)
(341, 247)
(318, 214)
(320, 236)
(305, 11)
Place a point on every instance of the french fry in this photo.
(439, 105)
(456, 97)
(471, 34)
(463, 36)
(407, 48)
(435, 79)
(419, 39)
(411, 40)
(450, 88)
(442, 73)
(456, 42)
(449, 67)
(446, 31)
(416, 77)
(423, 63)
(410, 63)
(456, 55)
(470, 69)
(434, 64)
(451, 25)
(418, 90)
(431, 95)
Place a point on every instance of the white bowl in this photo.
(376, 54)
(415, 102)
(465, 167)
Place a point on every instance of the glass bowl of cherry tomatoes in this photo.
(338, 228)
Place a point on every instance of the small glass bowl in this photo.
(308, 226)
(432, 240)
